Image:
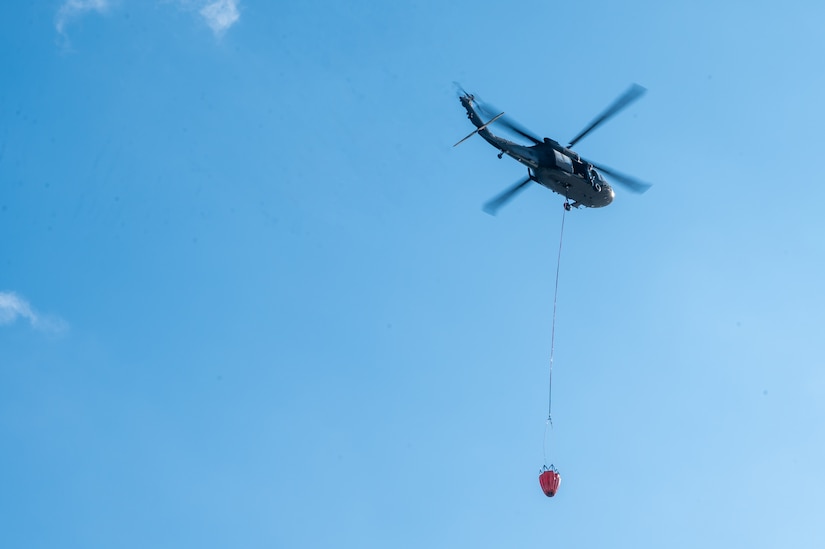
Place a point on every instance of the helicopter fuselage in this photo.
(549, 164)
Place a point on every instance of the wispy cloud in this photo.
(12, 307)
(72, 9)
(220, 15)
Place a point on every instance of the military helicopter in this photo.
(549, 163)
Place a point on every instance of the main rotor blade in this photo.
(632, 94)
(492, 206)
(509, 123)
(630, 183)
(521, 130)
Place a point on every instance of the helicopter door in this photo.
(563, 162)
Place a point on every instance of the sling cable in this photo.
(549, 477)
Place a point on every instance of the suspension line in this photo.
(549, 422)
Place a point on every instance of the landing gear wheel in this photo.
(500, 155)
(567, 206)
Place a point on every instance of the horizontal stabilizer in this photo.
(478, 130)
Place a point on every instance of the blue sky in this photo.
(248, 296)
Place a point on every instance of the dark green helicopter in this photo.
(551, 164)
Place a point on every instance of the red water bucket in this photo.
(549, 480)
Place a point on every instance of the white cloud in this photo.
(12, 307)
(72, 9)
(220, 15)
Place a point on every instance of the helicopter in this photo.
(549, 163)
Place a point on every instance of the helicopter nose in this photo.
(607, 195)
